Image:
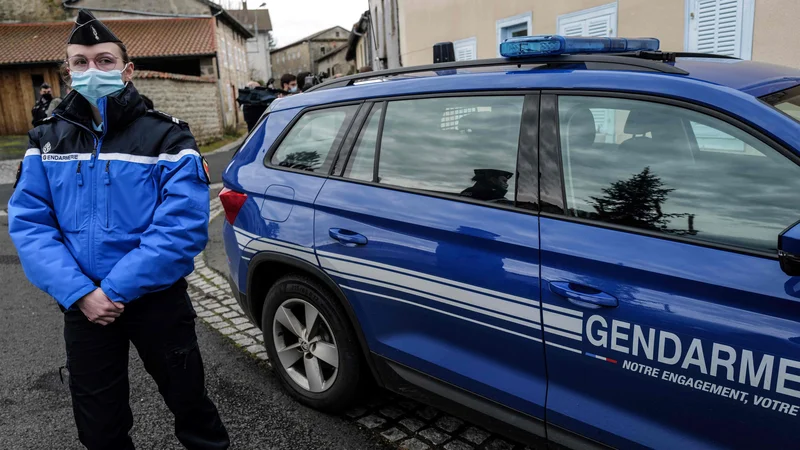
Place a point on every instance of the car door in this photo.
(677, 327)
(439, 258)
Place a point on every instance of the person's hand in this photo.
(99, 309)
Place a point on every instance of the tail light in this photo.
(232, 202)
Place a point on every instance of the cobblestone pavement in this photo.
(406, 423)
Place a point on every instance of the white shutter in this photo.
(572, 29)
(717, 27)
(599, 26)
(465, 49)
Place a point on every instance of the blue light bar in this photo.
(521, 47)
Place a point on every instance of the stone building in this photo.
(302, 55)
(335, 62)
(162, 38)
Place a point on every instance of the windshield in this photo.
(787, 101)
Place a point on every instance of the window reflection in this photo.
(459, 146)
(310, 142)
(676, 171)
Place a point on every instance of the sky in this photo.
(295, 19)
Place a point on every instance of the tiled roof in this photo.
(22, 43)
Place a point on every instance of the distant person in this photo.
(57, 101)
(289, 83)
(252, 112)
(147, 102)
(365, 69)
(301, 81)
(39, 110)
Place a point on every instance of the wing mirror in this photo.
(789, 250)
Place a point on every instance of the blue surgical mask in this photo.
(293, 89)
(95, 84)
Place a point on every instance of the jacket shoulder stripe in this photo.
(33, 152)
(147, 159)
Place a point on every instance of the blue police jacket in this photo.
(125, 208)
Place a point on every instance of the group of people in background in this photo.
(290, 84)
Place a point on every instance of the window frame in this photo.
(500, 24)
(334, 154)
(553, 185)
(527, 147)
(611, 9)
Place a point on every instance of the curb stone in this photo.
(397, 420)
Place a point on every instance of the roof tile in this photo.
(23, 43)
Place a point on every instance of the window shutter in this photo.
(599, 26)
(465, 49)
(572, 29)
(718, 26)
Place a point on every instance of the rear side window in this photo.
(675, 171)
(461, 146)
(312, 142)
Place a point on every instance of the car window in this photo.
(463, 146)
(311, 143)
(362, 160)
(675, 171)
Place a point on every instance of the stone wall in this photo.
(31, 10)
(155, 6)
(194, 100)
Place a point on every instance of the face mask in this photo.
(293, 89)
(95, 84)
(47, 97)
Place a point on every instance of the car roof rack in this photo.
(640, 60)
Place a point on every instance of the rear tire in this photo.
(321, 367)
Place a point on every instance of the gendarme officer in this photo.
(110, 209)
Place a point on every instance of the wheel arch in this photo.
(268, 267)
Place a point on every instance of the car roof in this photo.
(755, 78)
(748, 77)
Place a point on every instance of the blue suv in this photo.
(598, 245)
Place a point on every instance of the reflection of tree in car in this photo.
(490, 184)
(302, 161)
(636, 202)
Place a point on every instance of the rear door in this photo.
(431, 232)
(659, 247)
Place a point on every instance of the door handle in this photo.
(347, 237)
(584, 294)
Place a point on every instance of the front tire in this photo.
(311, 344)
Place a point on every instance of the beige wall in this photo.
(425, 22)
(775, 32)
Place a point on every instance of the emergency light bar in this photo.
(524, 46)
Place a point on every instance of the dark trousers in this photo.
(161, 327)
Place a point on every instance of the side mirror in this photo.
(789, 250)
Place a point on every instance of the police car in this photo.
(587, 240)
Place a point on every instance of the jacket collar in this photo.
(122, 109)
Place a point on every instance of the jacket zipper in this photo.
(107, 182)
(77, 206)
(95, 154)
